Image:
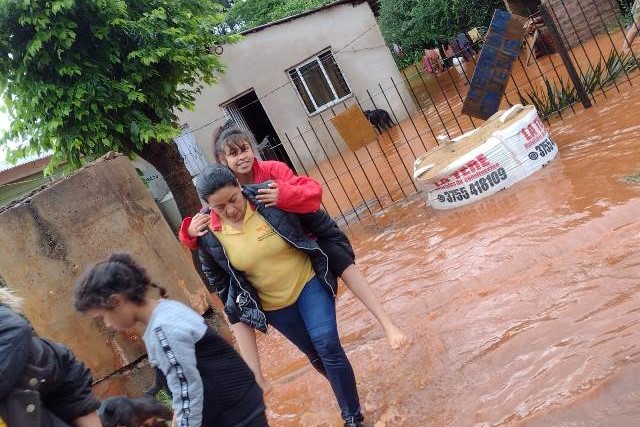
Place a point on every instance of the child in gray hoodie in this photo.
(210, 384)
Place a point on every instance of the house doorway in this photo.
(248, 113)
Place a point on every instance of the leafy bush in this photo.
(409, 59)
(556, 96)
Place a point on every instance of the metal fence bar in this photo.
(332, 167)
(346, 165)
(555, 36)
(455, 86)
(573, 75)
(595, 39)
(569, 50)
(421, 108)
(435, 105)
(408, 113)
(581, 43)
(361, 165)
(624, 33)
(395, 148)
(524, 68)
(299, 160)
(595, 4)
(320, 172)
(377, 169)
(397, 121)
(453, 113)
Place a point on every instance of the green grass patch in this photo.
(634, 178)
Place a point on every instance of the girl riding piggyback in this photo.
(288, 192)
(232, 147)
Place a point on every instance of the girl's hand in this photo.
(397, 338)
(269, 196)
(198, 226)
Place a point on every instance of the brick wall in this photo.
(578, 20)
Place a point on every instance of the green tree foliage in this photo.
(416, 24)
(247, 14)
(84, 77)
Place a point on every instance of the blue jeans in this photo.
(310, 324)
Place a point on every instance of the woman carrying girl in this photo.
(291, 193)
(210, 384)
(268, 271)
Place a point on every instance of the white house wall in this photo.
(261, 60)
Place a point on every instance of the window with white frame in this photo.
(319, 82)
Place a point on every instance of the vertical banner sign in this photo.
(490, 78)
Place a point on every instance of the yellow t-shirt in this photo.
(2, 423)
(276, 269)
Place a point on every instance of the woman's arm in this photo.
(15, 336)
(71, 397)
(217, 278)
(246, 339)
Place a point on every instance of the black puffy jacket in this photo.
(238, 295)
(42, 384)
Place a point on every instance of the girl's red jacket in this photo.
(297, 194)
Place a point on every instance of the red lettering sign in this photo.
(469, 168)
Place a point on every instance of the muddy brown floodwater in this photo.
(524, 308)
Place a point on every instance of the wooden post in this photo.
(564, 55)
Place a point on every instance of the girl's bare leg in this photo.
(358, 284)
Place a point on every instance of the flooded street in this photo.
(524, 308)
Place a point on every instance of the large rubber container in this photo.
(508, 147)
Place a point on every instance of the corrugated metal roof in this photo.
(5, 166)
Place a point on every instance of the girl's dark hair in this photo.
(227, 135)
(212, 178)
(117, 275)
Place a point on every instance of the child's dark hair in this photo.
(119, 274)
(227, 135)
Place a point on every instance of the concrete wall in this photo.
(261, 60)
(47, 241)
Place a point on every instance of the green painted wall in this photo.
(12, 191)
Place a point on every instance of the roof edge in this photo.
(373, 4)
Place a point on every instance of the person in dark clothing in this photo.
(42, 384)
(268, 271)
(210, 384)
(462, 47)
